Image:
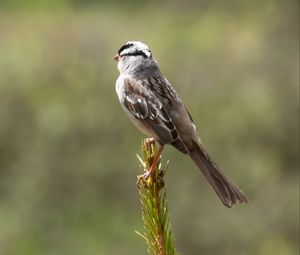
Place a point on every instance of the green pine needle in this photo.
(153, 198)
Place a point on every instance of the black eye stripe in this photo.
(124, 47)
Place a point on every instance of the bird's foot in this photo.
(156, 160)
(150, 140)
(143, 177)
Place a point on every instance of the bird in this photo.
(155, 108)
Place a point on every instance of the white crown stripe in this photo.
(136, 46)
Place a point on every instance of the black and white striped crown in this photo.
(135, 48)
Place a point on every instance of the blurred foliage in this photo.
(67, 152)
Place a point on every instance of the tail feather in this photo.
(226, 190)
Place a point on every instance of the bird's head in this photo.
(132, 55)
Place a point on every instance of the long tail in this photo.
(226, 190)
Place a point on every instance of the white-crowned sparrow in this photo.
(155, 108)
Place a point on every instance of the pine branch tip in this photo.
(155, 215)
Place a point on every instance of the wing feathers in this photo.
(145, 107)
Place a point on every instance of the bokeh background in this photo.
(67, 151)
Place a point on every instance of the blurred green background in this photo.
(67, 151)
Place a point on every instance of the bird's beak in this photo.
(116, 57)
